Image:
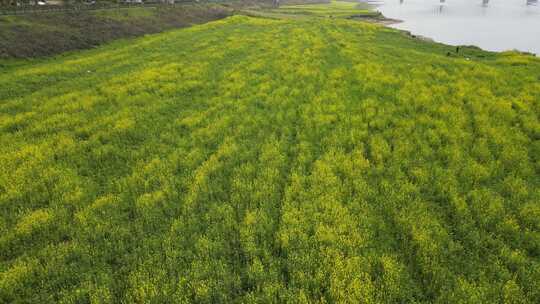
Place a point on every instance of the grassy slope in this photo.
(29, 36)
(332, 9)
(271, 160)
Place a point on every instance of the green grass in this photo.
(127, 13)
(40, 35)
(252, 160)
(333, 9)
(338, 9)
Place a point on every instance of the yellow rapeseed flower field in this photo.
(254, 160)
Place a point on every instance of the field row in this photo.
(259, 161)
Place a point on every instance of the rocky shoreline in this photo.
(378, 19)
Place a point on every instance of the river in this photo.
(495, 25)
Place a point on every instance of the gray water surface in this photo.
(495, 25)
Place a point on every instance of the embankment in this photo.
(46, 34)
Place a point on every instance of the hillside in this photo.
(253, 160)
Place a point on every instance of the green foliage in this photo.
(251, 160)
(333, 9)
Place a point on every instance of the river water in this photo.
(494, 25)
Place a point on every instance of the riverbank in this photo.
(377, 18)
(494, 26)
(365, 13)
(46, 34)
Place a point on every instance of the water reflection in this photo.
(485, 3)
(441, 5)
(490, 24)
